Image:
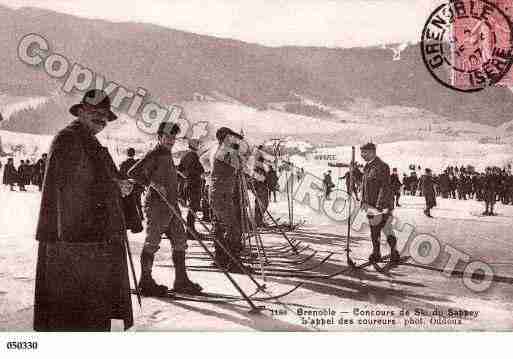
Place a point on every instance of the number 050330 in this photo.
(22, 345)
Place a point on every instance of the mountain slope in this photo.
(173, 65)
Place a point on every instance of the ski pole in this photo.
(350, 190)
(243, 215)
(287, 178)
(274, 221)
(292, 199)
(130, 259)
(254, 229)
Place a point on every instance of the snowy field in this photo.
(436, 155)
(456, 223)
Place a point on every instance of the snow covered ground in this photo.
(436, 155)
(403, 136)
(456, 223)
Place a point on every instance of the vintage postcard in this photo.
(302, 165)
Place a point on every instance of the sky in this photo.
(335, 23)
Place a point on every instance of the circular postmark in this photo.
(467, 44)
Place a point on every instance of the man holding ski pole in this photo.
(378, 201)
(157, 170)
(224, 184)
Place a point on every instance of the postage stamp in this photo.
(467, 44)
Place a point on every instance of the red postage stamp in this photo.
(467, 44)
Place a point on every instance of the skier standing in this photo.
(378, 201)
(223, 189)
(157, 170)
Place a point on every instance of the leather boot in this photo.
(182, 282)
(235, 250)
(394, 254)
(376, 252)
(147, 285)
(190, 224)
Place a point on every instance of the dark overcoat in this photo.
(490, 186)
(395, 183)
(191, 167)
(82, 275)
(10, 174)
(376, 188)
(428, 190)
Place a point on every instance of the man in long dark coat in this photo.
(378, 200)
(413, 183)
(490, 185)
(22, 176)
(82, 276)
(224, 189)
(39, 171)
(453, 185)
(406, 183)
(428, 190)
(10, 174)
(443, 181)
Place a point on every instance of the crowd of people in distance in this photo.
(465, 183)
(462, 183)
(27, 173)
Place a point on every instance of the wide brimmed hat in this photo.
(225, 131)
(96, 99)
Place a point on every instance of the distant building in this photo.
(198, 97)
